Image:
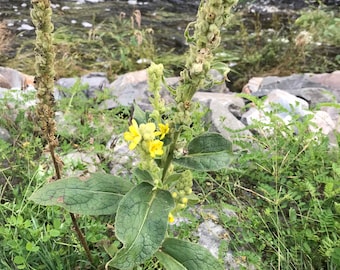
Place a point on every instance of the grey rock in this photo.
(66, 82)
(4, 83)
(132, 87)
(109, 104)
(330, 81)
(5, 135)
(121, 155)
(15, 99)
(11, 78)
(320, 121)
(314, 88)
(289, 102)
(323, 122)
(95, 81)
(89, 160)
(221, 115)
(220, 86)
(210, 235)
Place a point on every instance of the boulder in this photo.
(11, 78)
(320, 91)
(133, 87)
(276, 98)
(91, 83)
(5, 135)
(314, 88)
(224, 109)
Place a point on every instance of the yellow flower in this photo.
(148, 131)
(184, 200)
(25, 144)
(156, 148)
(133, 135)
(164, 129)
(171, 218)
(174, 194)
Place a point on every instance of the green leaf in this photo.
(172, 179)
(205, 162)
(19, 260)
(54, 233)
(177, 254)
(99, 194)
(169, 262)
(138, 114)
(208, 143)
(141, 224)
(336, 256)
(142, 175)
(31, 247)
(222, 68)
(207, 152)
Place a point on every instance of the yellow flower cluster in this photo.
(147, 133)
(180, 194)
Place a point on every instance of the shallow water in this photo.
(167, 18)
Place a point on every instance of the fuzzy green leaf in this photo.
(169, 262)
(205, 162)
(209, 143)
(207, 152)
(177, 254)
(142, 175)
(141, 224)
(99, 194)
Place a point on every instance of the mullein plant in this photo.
(144, 210)
(41, 15)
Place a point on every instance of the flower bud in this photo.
(184, 200)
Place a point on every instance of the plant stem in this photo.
(81, 238)
(56, 164)
(170, 156)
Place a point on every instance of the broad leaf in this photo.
(99, 194)
(209, 143)
(142, 175)
(177, 254)
(206, 162)
(207, 152)
(169, 262)
(141, 223)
